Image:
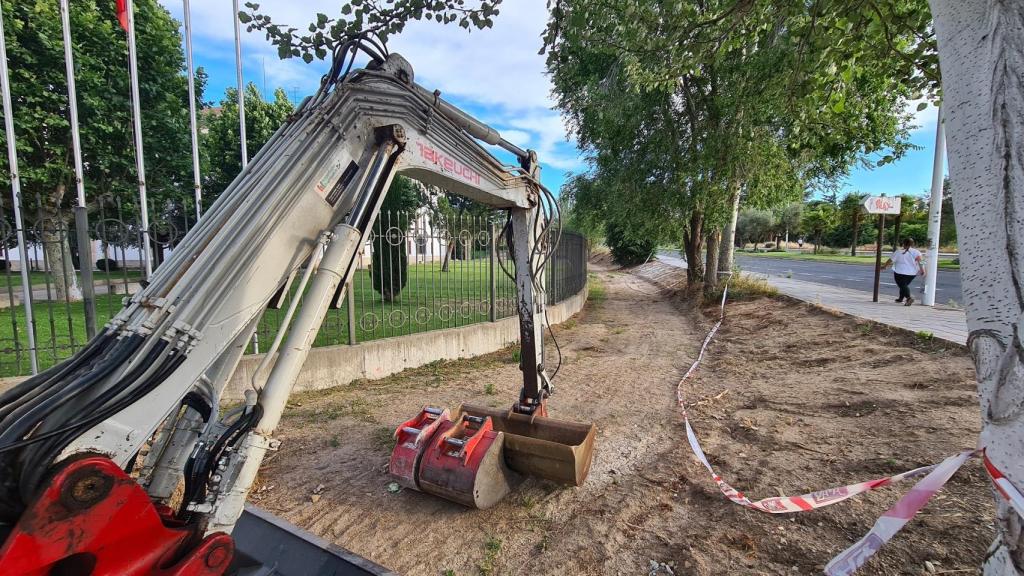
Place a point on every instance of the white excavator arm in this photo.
(295, 218)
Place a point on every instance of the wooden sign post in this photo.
(880, 205)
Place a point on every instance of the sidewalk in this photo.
(942, 321)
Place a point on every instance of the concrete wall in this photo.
(330, 366)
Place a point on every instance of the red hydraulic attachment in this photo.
(412, 438)
(94, 519)
(465, 462)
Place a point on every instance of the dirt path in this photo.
(810, 401)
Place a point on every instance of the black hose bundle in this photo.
(201, 466)
(40, 417)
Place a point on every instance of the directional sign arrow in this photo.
(882, 204)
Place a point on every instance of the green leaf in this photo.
(922, 106)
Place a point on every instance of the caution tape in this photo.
(848, 561)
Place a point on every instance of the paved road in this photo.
(853, 276)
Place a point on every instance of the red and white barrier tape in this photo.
(847, 562)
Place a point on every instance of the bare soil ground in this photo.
(790, 399)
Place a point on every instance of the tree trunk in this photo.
(693, 240)
(448, 254)
(727, 250)
(856, 232)
(711, 265)
(981, 53)
(452, 242)
(55, 236)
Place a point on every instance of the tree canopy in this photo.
(221, 148)
(684, 106)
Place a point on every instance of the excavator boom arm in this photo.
(155, 374)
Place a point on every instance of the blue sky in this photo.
(912, 174)
(495, 75)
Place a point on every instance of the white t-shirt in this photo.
(905, 262)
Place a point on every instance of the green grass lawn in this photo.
(39, 280)
(431, 300)
(845, 259)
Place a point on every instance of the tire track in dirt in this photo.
(621, 357)
(789, 399)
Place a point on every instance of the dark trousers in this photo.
(903, 281)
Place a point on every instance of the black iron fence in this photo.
(416, 272)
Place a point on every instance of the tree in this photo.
(980, 50)
(909, 205)
(947, 235)
(628, 249)
(686, 100)
(787, 219)
(39, 97)
(755, 225)
(389, 265)
(220, 144)
(851, 209)
(361, 18)
(816, 220)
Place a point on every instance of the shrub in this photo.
(741, 287)
(389, 268)
(916, 232)
(107, 265)
(389, 265)
(628, 249)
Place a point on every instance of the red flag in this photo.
(122, 13)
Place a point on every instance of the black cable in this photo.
(58, 371)
(35, 461)
(28, 417)
(196, 402)
(557, 347)
(146, 364)
(198, 472)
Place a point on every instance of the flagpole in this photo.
(197, 182)
(935, 213)
(19, 227)
(241, 86)
(241, 118)
(81, 211)
(140, 163)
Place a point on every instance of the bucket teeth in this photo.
(411, 439)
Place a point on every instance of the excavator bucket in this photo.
(412, 438)
(549, 448)
(465, 462)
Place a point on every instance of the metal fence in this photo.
(433, 272)
(454, 275)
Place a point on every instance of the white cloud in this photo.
(495, 72)
(924, 120)
(520, 138)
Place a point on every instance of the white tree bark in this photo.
(727, 246)
(981, 53)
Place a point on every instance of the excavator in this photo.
(122, 461)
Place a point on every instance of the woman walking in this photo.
(906, 264)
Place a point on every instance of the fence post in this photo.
(19, 227)
(350, 299)
(493, 276)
